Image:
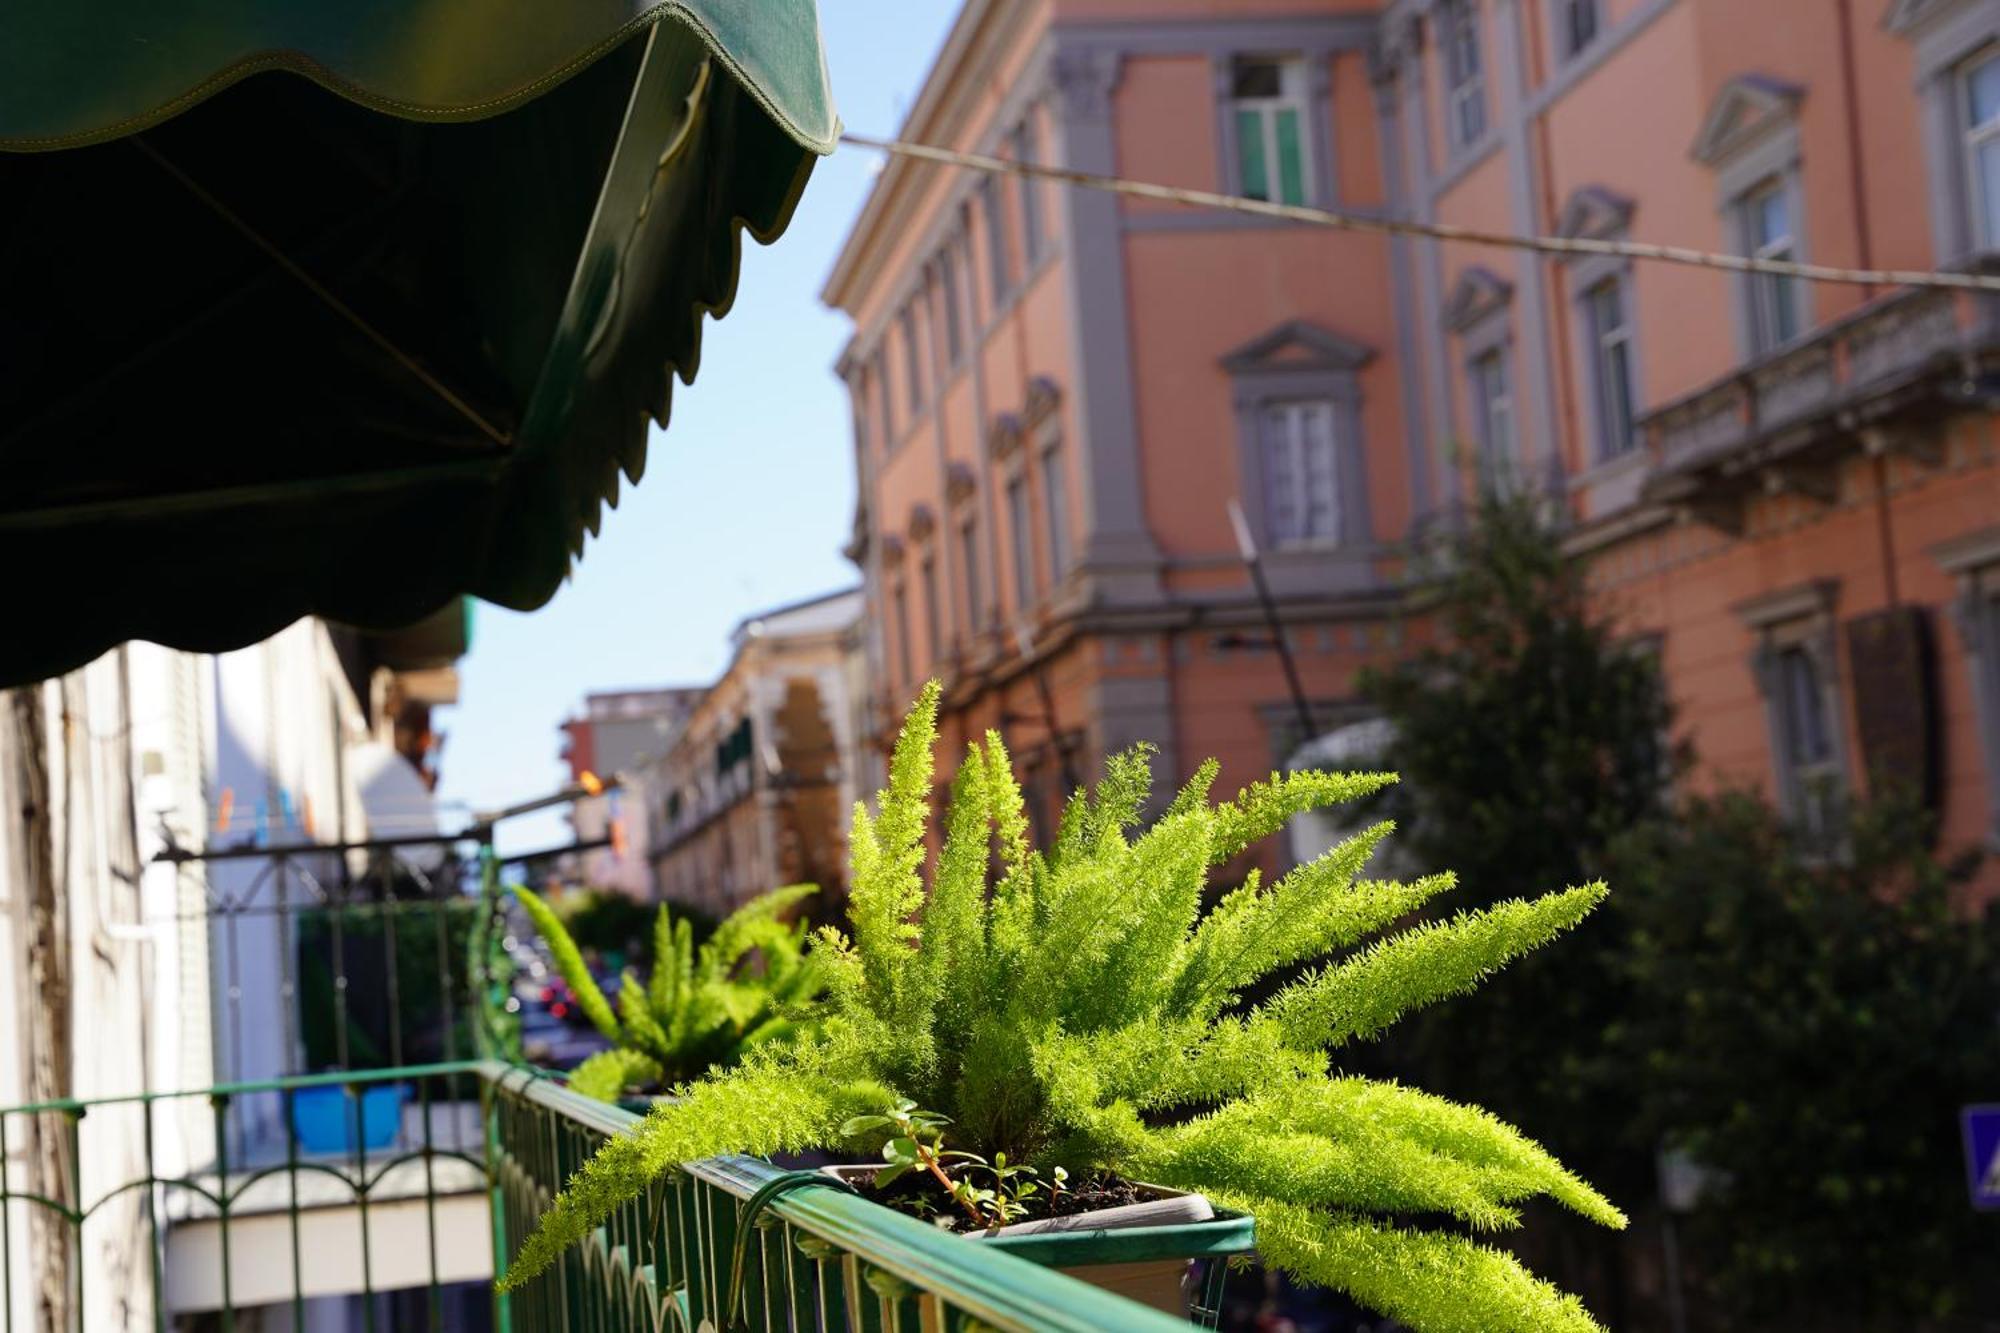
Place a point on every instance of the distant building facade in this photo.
(619, 734)
(1790, 491)
(754, 790)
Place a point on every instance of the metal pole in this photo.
(1024, 643)
(1246, 544)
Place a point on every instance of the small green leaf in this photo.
(861, 1124)
(889, 1175)
(901, 1151)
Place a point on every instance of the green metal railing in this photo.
(714, 1246)
(706, 1247)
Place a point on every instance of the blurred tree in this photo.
(1807, 1029)
(1529, 735)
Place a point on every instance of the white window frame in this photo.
(1296, 412)
(1793, 625)
(1984, 219)
(1464, 72)
(1613, 441)
(1772, 299)
(1492, 391)
(1294, 94)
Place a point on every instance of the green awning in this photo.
(353, 308)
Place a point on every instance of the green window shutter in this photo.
(1291, 159)
(1254, 174)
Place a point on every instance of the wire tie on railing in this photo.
(766, 1194)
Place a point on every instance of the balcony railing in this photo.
(1875, 379)
(395, 1194)
(408, 1233)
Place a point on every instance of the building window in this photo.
(1980, 84)
(999, 270)
(968, 561)
(900, 599)
(933, 619)
(1973, 560)
(885, 402)
(1030, 195)
(1301, 486)
(1807, 740)
(1465, 86)
(1493, 409)
(1611, 365)
(1767, 234)
(954, 331)
(1577, 25)
(1055, 501)
(1268, 107)
(1795, 669)
(913, 369)
(1020, 524)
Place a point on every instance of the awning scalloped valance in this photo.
(352, 310)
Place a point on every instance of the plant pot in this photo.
(1140, 1251)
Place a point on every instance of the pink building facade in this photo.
(1790, 489)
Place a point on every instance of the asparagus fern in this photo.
(1074, 1008)
(701, 1008)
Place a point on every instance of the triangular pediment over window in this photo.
(1749, 106)
(1906, 16)
(1595, 212)
(1478, 292)
(1299, 345)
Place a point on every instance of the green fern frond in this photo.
(569, 963)
(606, 1075)
(1430, 1280)
(1082, 1013)
(1361, 996)
(755, 1108)
(1263, 808)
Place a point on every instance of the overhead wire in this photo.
(1567, 247)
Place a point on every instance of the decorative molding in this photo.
(892, 549)
(1044, 396)
(961, 483)
(1086, 77)
(922, 523)
(1748, 107)
(1906, 16)
(1003, 437)
(1800, 601)
(1320, 350)
(1969, 552)
(1594, 212)
(1478, 293)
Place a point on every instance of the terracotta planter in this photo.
(1140, 1251)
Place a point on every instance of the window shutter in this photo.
(1893, 662)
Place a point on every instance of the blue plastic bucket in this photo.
(323, 1118)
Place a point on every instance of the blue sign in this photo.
(1982, 1154)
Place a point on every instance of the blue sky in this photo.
(746, 500)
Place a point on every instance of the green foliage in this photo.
(1529, 737)
(1081, 1014)
(702, 1008)
(1806, 1028)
